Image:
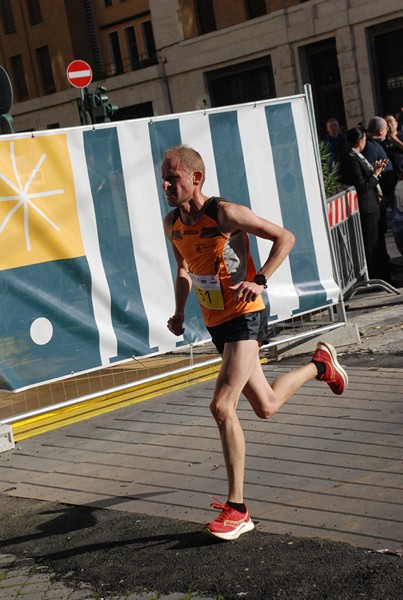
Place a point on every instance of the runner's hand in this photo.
(247, 291)
(175, 324)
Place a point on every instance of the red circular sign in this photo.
(79, 73)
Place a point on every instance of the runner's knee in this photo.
(222, 410)
(267, 409)
(264, 413)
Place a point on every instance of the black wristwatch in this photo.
(260, 279)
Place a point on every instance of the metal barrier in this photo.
(345, 227)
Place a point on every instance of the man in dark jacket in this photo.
(376, 133)
(374, 150)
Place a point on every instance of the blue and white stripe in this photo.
(259, 155)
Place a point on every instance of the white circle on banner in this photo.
(41, 331)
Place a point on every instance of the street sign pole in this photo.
(84, 107)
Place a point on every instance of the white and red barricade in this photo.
(341, 207)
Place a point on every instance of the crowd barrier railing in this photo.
(345, 228)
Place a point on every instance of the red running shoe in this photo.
(334, 375)
(230, 524)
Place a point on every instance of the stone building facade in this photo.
(162, 56)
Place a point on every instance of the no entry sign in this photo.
(79, 73)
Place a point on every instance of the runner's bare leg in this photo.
(267, 399)
(241, 371)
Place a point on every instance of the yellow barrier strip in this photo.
(53, 419)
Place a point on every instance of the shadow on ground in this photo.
(117, 552)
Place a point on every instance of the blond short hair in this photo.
(189, 158)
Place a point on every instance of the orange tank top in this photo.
(215, 263)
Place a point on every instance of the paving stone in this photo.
(56, 594)
(14, 579)
(7, 594)
(6, 560)
(24, 562)
(34, 588)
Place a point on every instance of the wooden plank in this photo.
(324, 466)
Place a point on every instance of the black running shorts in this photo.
(252, 326)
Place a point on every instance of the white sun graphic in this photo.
(25, 200)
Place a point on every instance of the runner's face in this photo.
(178, 184)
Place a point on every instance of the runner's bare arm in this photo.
(235, 217)
(183, 283)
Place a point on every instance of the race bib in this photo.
(208, 291)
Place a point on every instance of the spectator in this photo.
(399, 119)
(335, 139)
(357, 171)
(393, 145)
(373, 152)
(394, 148)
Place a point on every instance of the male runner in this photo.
(209, 237)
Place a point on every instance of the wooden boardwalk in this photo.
(324, 466)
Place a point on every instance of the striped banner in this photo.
(86, 274)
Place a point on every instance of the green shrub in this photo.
(330, 171)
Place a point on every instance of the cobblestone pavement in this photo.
(24, 579)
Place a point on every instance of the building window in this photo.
(45, 67)
(135, 111)
(388, 69)
(19, 82)
(7, 17)
(116, 53)
(205, 16)
(34, 11)
(107, 3)
(324, 76)
(132, 48)
(255, 8)
(148, 39)
(246, 82)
